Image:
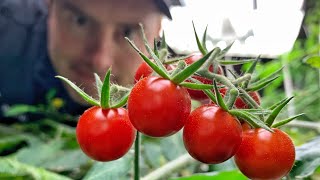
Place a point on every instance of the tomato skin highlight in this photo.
(211, 135)
(105, 134)
(198, 94)
(157, 107)
(265, 155)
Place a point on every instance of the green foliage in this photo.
(215, 176)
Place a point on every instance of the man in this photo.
(41, 39)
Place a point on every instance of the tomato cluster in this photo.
(159, 105)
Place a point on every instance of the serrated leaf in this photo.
(307, 159)
(12, 169)
(112, 170)
(223, 175)
(84, 95)
(313, 61)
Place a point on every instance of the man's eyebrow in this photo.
(68, 5)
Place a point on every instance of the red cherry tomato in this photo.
(198, 94)
(105, 134)
(143, 70)
(239, 103)
(211, 135)
(265, 155)
(157, 107)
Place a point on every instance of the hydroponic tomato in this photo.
(265, 155)
(198, 94)
(239, 103)
(105, 134)
(157, 107)
(211, 135)
(143, 70)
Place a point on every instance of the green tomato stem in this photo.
(232, 98)
(241, 79)
(137, 157)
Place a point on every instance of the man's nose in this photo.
(101, 51)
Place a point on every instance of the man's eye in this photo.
(80, 20)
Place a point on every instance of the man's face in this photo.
(86, 37)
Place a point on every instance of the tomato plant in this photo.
(198, 94)
(105, 134)
(158, 107)
(211, 135)
(265, 155)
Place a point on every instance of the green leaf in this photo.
(12, 169)
(172, 147)
(84, 95)
(105, 91)
(235, 62)
(313, 61)
(250, 118)
(307, 159)
(204, 39)
(155, 48)
(11, 143)
(276, 111)
(200, 47)
(152, 154)
(262, 85)
(66, 160)
(163, 41)
(150, 51)
(154, 66)
(196, 86)
(20, 109)
(220, 100)
(122, 101)
(98, 83)
(190, 70)
(286, 121)
(224, 51)
(112, 170)
(223, 175)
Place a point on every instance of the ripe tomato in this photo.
(143, 70)
(239, 103)
(265, 155)
(211, 135)
(157, 107)
(105, 134)
(198, 94)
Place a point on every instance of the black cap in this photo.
(164, 5)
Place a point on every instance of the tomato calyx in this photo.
(110, 96)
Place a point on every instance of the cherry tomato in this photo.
(157, 107)
(143, 70)
(198, 94)
(105, 134)
(239, 103)
(265, 155)
(211, 135)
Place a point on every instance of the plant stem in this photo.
(137, 157)
(170, 167)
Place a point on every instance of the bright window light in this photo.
(257, 27)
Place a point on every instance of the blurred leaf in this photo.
(216, 176)
(19, 110)
(113, 170)
(12, 169)
(152, 152)
(38, 155)
(11, 143)
(67, 161)
(172, 147)
(307, 159)
(313, 61)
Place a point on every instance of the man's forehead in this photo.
(113, 8)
